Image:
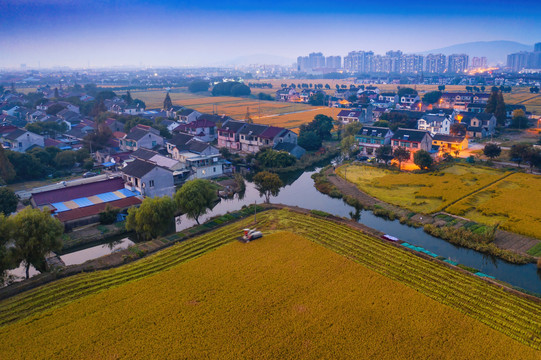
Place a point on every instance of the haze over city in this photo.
(170, 33)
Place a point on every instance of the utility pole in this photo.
(255, 212)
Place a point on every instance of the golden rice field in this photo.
(280, 297)
(424, 193)
(512, 202)
(327, 291)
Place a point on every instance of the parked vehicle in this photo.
(251, 234)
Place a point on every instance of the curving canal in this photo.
(300, 191)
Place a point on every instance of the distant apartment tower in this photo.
(394, 58)
(303, 63)
(537, 47)
(359, 62)
(457, 63)
(411, 64)
(521, 60)
(479, 62)
(435, 63)
(317, 60)
(333, 62)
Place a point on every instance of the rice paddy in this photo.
(326, 291)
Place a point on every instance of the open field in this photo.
(513, 203)
(425, 193)
(278, 297)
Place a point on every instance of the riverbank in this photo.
(456, 230)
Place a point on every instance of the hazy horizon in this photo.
(101, 33)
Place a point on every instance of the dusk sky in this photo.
(202, 32)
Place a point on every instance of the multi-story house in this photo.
(250, 138)
(21, 140)
(363, 115)
(204, 130)
(449, 144)
(435, 124)
(412, 140)
(369, 138)
(229, 135)
(478, 125)
(148, 178)
(141, 136)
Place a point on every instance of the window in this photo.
(151, 183)
(20, 144)
(415, 145)
(153, 143)
(214, 169)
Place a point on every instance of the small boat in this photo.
(389, 237)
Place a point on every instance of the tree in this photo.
(532, 157)
(35, 233)
(267, 184)
(518, 152)
(54, 109)
(353, 128)
(401, 154)
(458, 129)
(384, 153)
(56, 94)
(317, 99)
(423, 159)
(500, 111)
(8, 201)
(492, 102)
(347, 144)
(6, 260)
(270, 158)
(432, 97)
(520, 121)
(240, 90)
(321, 125)
(167, 103)
(65, 159)
(195, 198)
(99, 107)
(128, 98)
(492, 150)
(7, 171)
(441, 87)
(151, 218)
(309, 140)
(403, 91)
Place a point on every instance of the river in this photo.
(300, 191)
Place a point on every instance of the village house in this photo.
(200, 158)
(409, 99)
(412, 140)
(369, 138)
(204, 130)
(388, 97)
(229, 135)
(363, 115)
(449, 144)
(141, 136)
(479, 125)
(148, 178)
(435, 124)
(21, 140)
(187, 115)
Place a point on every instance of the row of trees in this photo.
(194, 199)
(421, 158)
(28, 237)
(230, 88)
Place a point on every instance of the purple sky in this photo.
(174, 33)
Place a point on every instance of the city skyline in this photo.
(101, 33)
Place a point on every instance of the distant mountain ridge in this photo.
(259, 59)
(495, 51)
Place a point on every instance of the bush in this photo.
(320, 213)
(109, 215)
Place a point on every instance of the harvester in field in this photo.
(251, 234)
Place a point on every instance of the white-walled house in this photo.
(148, 178)
(21, 140)
(435, 124)
(141, 136)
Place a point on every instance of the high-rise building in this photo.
(537, 47)
(435, 63)
(395, 58)
(303, 63)
(479, 62)
(411, 64)
(333, 62)
(521, 60)
(457, 63)
(359, 61)
(317, 60)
